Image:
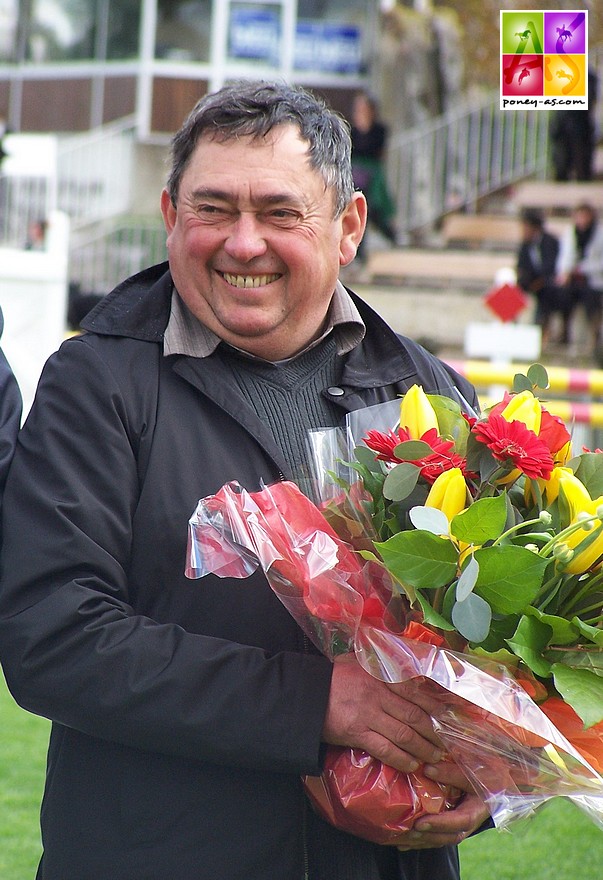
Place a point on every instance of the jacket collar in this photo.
(139, 308)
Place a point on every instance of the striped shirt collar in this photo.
(186, 335)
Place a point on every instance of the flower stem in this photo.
(517, 528)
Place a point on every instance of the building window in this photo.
(80, 30)
(9, 17)
(183, 30)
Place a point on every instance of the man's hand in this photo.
(389, 721)
(451, 826)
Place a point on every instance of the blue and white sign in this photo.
(255, 34)
(328, 47)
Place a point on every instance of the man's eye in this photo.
(283, 216)
(210, 209)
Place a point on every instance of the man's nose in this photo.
(246, 238)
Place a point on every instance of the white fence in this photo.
(87, 176)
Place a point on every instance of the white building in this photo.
(72, 65)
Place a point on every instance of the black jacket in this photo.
(183, 711)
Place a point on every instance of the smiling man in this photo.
(185, 713)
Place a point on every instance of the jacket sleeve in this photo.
(71, 645)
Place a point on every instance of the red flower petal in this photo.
(514, 442)
(553, 432)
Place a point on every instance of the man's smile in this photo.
(249, 280)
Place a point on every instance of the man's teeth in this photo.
(249, 280)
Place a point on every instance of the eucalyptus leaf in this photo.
(509, 577)
(401, 481)
(420, 559)
(480, 459)
(472, 618)
(538, 376)
(412, 450)
(367, 457)
(467, 580)
(529, 641)
(481, 522)
(430, 519)
(521, 383)
(582, 689)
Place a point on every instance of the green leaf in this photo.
(529, 641)
(472, 618)
(431, 616)
(412, 450)
(420, 559)
(401, 481)
(467, 580)
(583, 690)
(451, 422)
(430, 519)
(521, 383)
(593, 633)
(367, 458)
(509, 577)
(592, 660)
(538, 376)
(482, 521)
(588, 467)
(501, 629)
(563, 632)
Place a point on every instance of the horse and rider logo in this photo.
(544, 55)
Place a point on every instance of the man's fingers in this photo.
(447, 828)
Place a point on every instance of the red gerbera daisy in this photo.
(442, 457)
(514, 442)
(385, 443)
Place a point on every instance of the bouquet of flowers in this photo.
(467, 554)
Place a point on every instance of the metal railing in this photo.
(453, 161)
(473, 150)
(101, 259)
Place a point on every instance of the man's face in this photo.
(253, 246)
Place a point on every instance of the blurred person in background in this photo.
(580, 269)
(536, 273)
(369, 139)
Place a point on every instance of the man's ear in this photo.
(353, 224)
(168, 211)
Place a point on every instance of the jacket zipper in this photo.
(305, 805)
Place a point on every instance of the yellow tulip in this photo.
(551, 486)
(416, 413)
(580, 502)
(448, 493)
(563, 455)
(524, 407)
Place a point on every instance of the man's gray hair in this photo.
(253, 109)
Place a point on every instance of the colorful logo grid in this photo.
(544, 59)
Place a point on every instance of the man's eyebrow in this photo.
(206, 192)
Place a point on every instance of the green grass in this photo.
(23, 741)
(560, 843)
